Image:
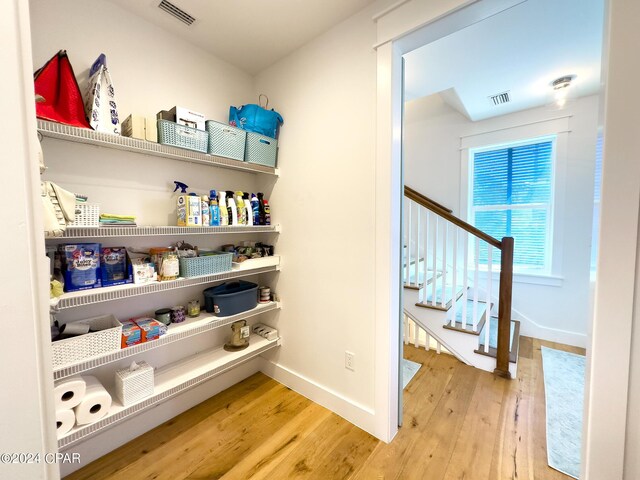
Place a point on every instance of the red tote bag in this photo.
(57, 83)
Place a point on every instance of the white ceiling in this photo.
(250, 34)
(521, 50)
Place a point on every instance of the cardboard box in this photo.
(143, 271)
(131, 334)
(185, 116)
(151, 328)
(115, 266)
(143, 128)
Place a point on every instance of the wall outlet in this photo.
(350, 361)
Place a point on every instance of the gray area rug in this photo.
(564, 394)
(409, 369)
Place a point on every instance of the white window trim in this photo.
(523, 134)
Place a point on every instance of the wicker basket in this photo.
(208, 265)
(225, 140)
(87, 215)
(134, 385)
(171, 133)
(261, 150)
(76, 349)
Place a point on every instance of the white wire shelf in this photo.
(91, 137)
(147, 231)
(176, 332)
(106, 294)
(172, 380)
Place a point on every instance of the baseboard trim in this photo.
(358, 414)
(529, 328)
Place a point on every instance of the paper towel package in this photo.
(95, 404)
(69, 392)
(65, 420)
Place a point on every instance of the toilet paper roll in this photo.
(69, 392)
(65, 420)
(95, 404)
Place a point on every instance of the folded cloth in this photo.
(116, 222)
(111, 216)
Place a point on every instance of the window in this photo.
(511, 196)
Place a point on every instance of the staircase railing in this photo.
(438, 245)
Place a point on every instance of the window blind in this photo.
(511, 197)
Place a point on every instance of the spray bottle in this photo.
(180, 201)
(233, 211)
(255, 209)
(247, 208)
(267, 212)
(214, 209)
(242, 211)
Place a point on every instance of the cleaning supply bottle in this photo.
(180, 201)
(267, 212)
(204, 210)
(214, 209)
(255, 209)
(242, 215)
(261, 208)
(233, 216)
(224, 213)
(247, 208)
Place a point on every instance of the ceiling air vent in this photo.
(176, 12)
(500, 98)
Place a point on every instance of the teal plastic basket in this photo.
(171, 133)
(261, 150)
(225, 140)
(217, 262)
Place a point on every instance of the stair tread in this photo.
(468, 325)
(421, 277)
(448, 295)
(514, 340)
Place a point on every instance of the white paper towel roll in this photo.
(65, 420)
(69, 392)
(95, 404)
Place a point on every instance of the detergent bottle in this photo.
(242, 215)
(247, 208)
(214, 209)
(255, 209)
(233, 211)
(224, 213)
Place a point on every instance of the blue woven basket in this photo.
(171, 133)
(261, 150)
(208, 265)
(225, 140)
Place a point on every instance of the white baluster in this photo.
(408, 244)
(443, 295)
(423, 292)
(416, 265)
(454, 279)
(405, 325)
(438, 347)
(434, 258)
(427, 341)
(416, 335)
(488, 298)
(465, 277)
(475, 284)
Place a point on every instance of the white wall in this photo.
(434, 134)
(26, 377)
(326, 92)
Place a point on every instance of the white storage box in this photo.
(79, 348)
(87, 215)
(134, 385)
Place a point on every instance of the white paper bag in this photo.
(100, 100)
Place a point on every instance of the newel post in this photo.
(504, 308)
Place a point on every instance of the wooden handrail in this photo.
(504, 308)
(447, 215)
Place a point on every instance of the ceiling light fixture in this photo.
(561, 88)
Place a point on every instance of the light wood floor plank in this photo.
(459, 424)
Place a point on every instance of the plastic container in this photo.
(76, 349)
(225, 140)
(170, 133)
(261, 150)
(231, 298)
(86, 215)
(217, 262)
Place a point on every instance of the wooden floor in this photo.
(459, 423)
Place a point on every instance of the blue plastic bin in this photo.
(231, 298)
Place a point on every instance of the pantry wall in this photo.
(327, 278)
